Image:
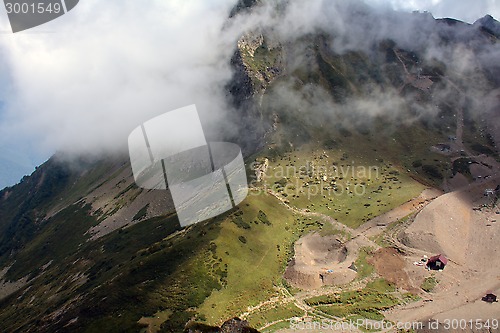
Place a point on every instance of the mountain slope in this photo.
(93, 252)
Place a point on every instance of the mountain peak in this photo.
(489, 23)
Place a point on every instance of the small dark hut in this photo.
(437, 262)
(490, 298)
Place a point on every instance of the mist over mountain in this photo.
(315, 93)
(298, 31)
(138, 70)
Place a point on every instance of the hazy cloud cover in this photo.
(465, 10)
(84, 81)
(111, 66)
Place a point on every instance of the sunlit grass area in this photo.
(254, 256)
(349, 187)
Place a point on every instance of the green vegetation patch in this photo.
(238, 220)
(364, 269)
(256, 265)
(381, 285)
(429, 284)
(58, 237)
(410, 298)
(432, 170)
(273, 313)
(462, 165)
(367, 303)
(350, 187)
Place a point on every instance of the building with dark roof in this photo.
(490, 298)
(437, 262)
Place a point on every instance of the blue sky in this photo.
(106, 66)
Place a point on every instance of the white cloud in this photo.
(110, 66)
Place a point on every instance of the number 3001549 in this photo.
(32, 8)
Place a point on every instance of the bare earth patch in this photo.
(320, 260)
(390, 265)
(463, 226)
